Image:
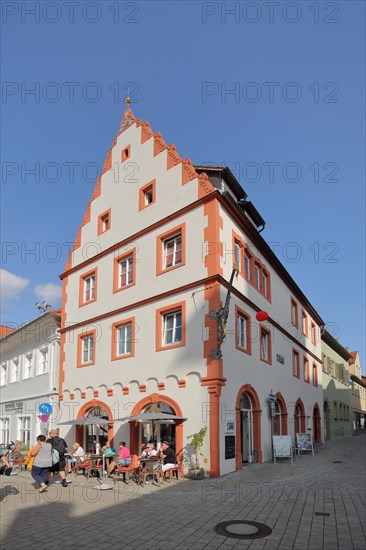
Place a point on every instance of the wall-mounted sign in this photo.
(229, 446)
(280, 359)
(14, 406)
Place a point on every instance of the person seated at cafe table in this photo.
(169, 458)
(123, 457)
(107, 450)
(77, 456)
(148, 452)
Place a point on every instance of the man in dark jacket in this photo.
(61, 446)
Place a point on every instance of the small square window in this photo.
(126, 153)
(147, 195)
(104, 222)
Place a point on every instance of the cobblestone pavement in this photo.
(181, 515)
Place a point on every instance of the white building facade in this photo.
(29, 364)
(151, 261)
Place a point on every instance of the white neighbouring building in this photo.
(151, 260)
(29, 363)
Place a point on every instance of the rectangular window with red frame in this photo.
(315, 375)
(296, 363)
(247, 265)
(294, 313)
(257, 276)
(265, 344)
(171, 326)
(170, 250)
(86, 349)
(124, 273)
(123, 339)
(104, 222)
(305, 325)
(242, 331)
(88, 287)
(313, 333)
(306, 370)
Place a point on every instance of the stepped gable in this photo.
(173, 159)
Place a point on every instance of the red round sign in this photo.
(44, 417)
(261, 316)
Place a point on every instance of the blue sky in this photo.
(272, 90)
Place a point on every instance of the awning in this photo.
(150, 417)
(87, 421)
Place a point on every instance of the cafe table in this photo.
(93, 462)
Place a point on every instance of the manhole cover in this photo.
(242, 529)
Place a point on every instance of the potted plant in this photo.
(196, 441)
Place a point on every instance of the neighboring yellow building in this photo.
(358, 392)
(336, 388)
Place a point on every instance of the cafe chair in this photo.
(171, 473)
(18, 462)
(132, 470)
(148, 470)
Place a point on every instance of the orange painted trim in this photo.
(83, 395)
(126, 390)
(305, 323)
(295, 363)
(151, 186)
(175, 231)
(101, 219)
(141, 406)
(306, 366)
(80, 348)
(212, 238)
(265, 329)
(248, 349)
(284, 414)
(315, 375)
(257, 411)
(125, 153)
(72, 396)
(96, 393)
(182, 383)
(110, 392)
(143, 388)
(313, 333)
(161, 386)
(82, 283)
(115, 327)
(117, 261)
(294, 311)
(83, 412)
(159, 325)
(139, 234)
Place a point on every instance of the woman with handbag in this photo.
(42, 453)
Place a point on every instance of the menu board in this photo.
(229, 446)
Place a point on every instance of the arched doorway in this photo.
(166, 404)
(317, 436)
(89, 436)
(327, 434)
(279, 418)
(299, 418)
(155, 432)
(248, 427)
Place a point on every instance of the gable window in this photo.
(171, 250)
(28, 366)
(124, 271)
(125, 153)
(294, 313)
(315, 375)
(147, 195)
(306, 370)
(123, 339)
(170, 327)
(14, 375)
(3, 374)
(104, 222)
(242, 332)
(86, 349)
(88, 287)
(265, 345)
(296, 363)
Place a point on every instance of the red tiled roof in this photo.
(4, 331)
(353, 357)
